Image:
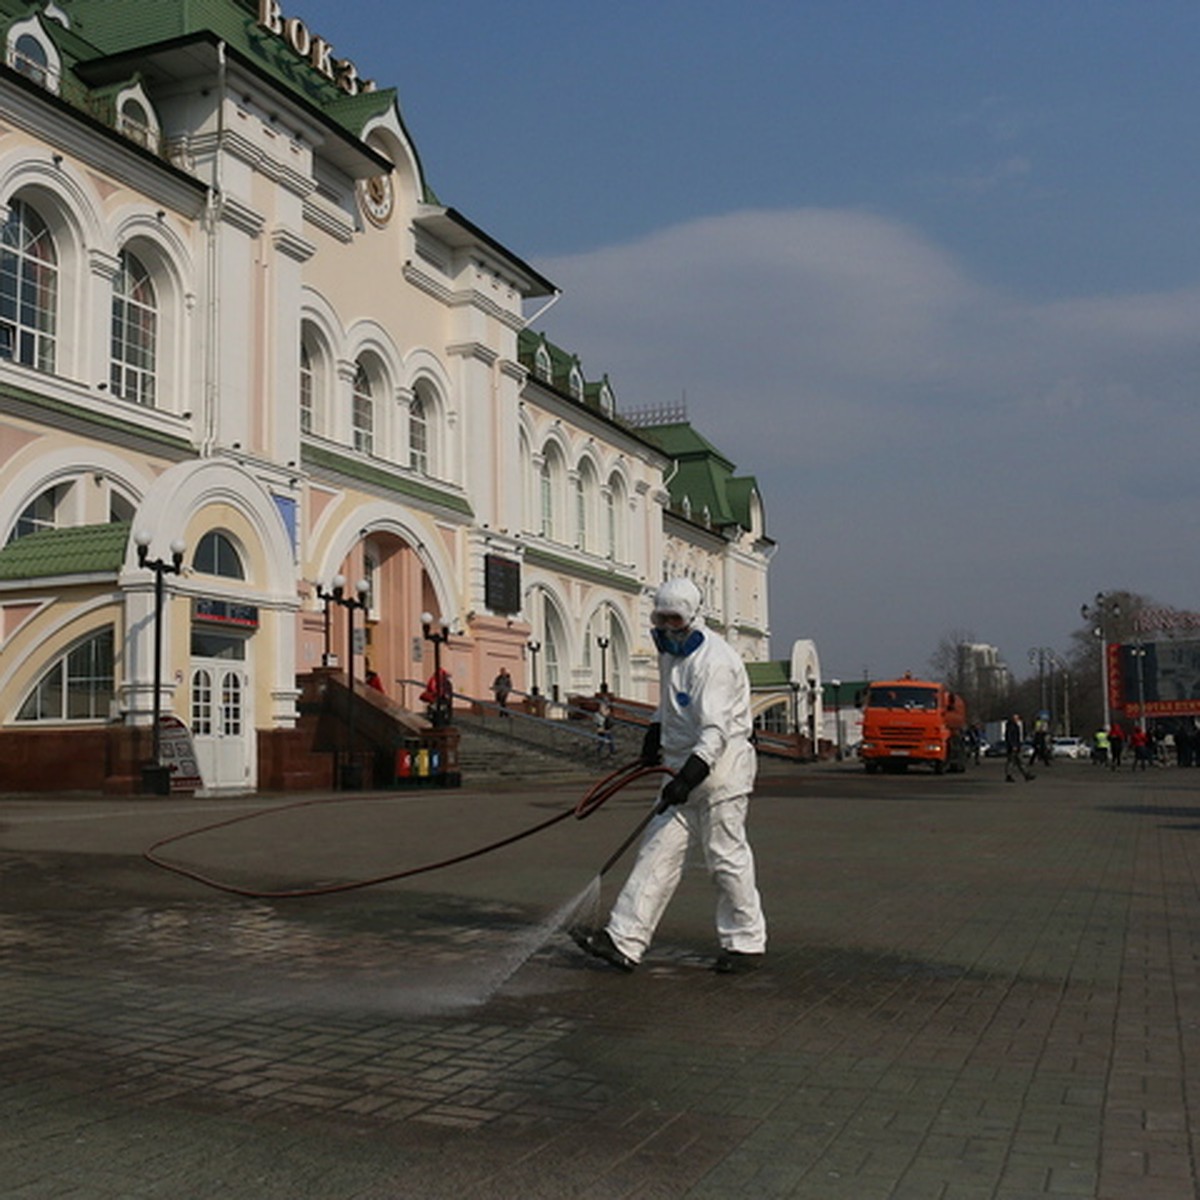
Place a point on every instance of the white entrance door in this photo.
(221, 727)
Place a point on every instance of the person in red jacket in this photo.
(1139, 743)
(1116, 743)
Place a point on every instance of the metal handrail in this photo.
(555, 732)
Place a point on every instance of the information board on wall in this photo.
(502, 584)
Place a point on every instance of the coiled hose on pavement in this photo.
(597, 795)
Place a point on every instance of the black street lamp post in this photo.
(1104, 610)
(836, 684)
(155, 777)
(333, 596)
(439, 637)
(603, 643)
(1138, 653)
(351, 776)
(533, 648)
(812, 715)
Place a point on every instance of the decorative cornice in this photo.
(322, 459)
(485, 354)
(241, 216)
(535, 556)
(62, 414)
(292, 245)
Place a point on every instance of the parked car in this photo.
(1070, 747)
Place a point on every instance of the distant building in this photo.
(981, 674)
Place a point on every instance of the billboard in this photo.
(1159, 678)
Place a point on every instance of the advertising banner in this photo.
(178, 755)
(1159, 678)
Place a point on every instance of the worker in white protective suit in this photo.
(701, 730)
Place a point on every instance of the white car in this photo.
(1070, 747)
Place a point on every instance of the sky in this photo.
(929, 270)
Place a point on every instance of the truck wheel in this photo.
(939, 767)
(871, 767)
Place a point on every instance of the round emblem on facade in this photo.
(376, 198)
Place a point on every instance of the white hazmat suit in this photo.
(704, 712)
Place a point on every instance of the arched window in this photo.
(307, 389)
(546, 490)
(362, 416)
(418, 436)
(581, 513)
(134, 123)
(78, 687)
(134, 332)
(615, 510)
(41, 513)
(28, 289)
(120, 508)
(217, 555)
(30, 58)
(541, 365)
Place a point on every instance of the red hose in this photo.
(596, 795)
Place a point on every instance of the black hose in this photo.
(600, 792)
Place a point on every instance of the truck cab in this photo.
(911, 720)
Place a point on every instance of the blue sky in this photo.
(929, 270)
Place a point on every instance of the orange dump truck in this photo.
(912, 721)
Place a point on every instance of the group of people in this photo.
(1108, 746)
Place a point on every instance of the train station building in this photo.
(269, 408)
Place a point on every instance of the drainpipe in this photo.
(212, 221)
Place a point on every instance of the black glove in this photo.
(692, 773)
(651, 754)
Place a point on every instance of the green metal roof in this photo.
(108, 41)
(768, 674)
(704, 477)
(77, 550)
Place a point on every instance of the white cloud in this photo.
(861, 373)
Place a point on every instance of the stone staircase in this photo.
(492, 747)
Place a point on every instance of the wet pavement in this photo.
(973, 990)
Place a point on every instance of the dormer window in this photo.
(575, 384)
(135, 117)
(33, 54)
(541, 365)
(607, 403)
(134, 123)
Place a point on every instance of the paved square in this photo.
(973, 990)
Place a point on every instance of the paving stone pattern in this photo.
(973, 990)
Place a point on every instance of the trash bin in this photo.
(156, 780)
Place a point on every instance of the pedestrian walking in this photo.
(702, 731)
(1116, 744)
(501, 689)
(1141, 745)
(1014, 735)
(606, 744)
(438, 697)
(1041, 740)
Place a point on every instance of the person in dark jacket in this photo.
(1014, 735)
